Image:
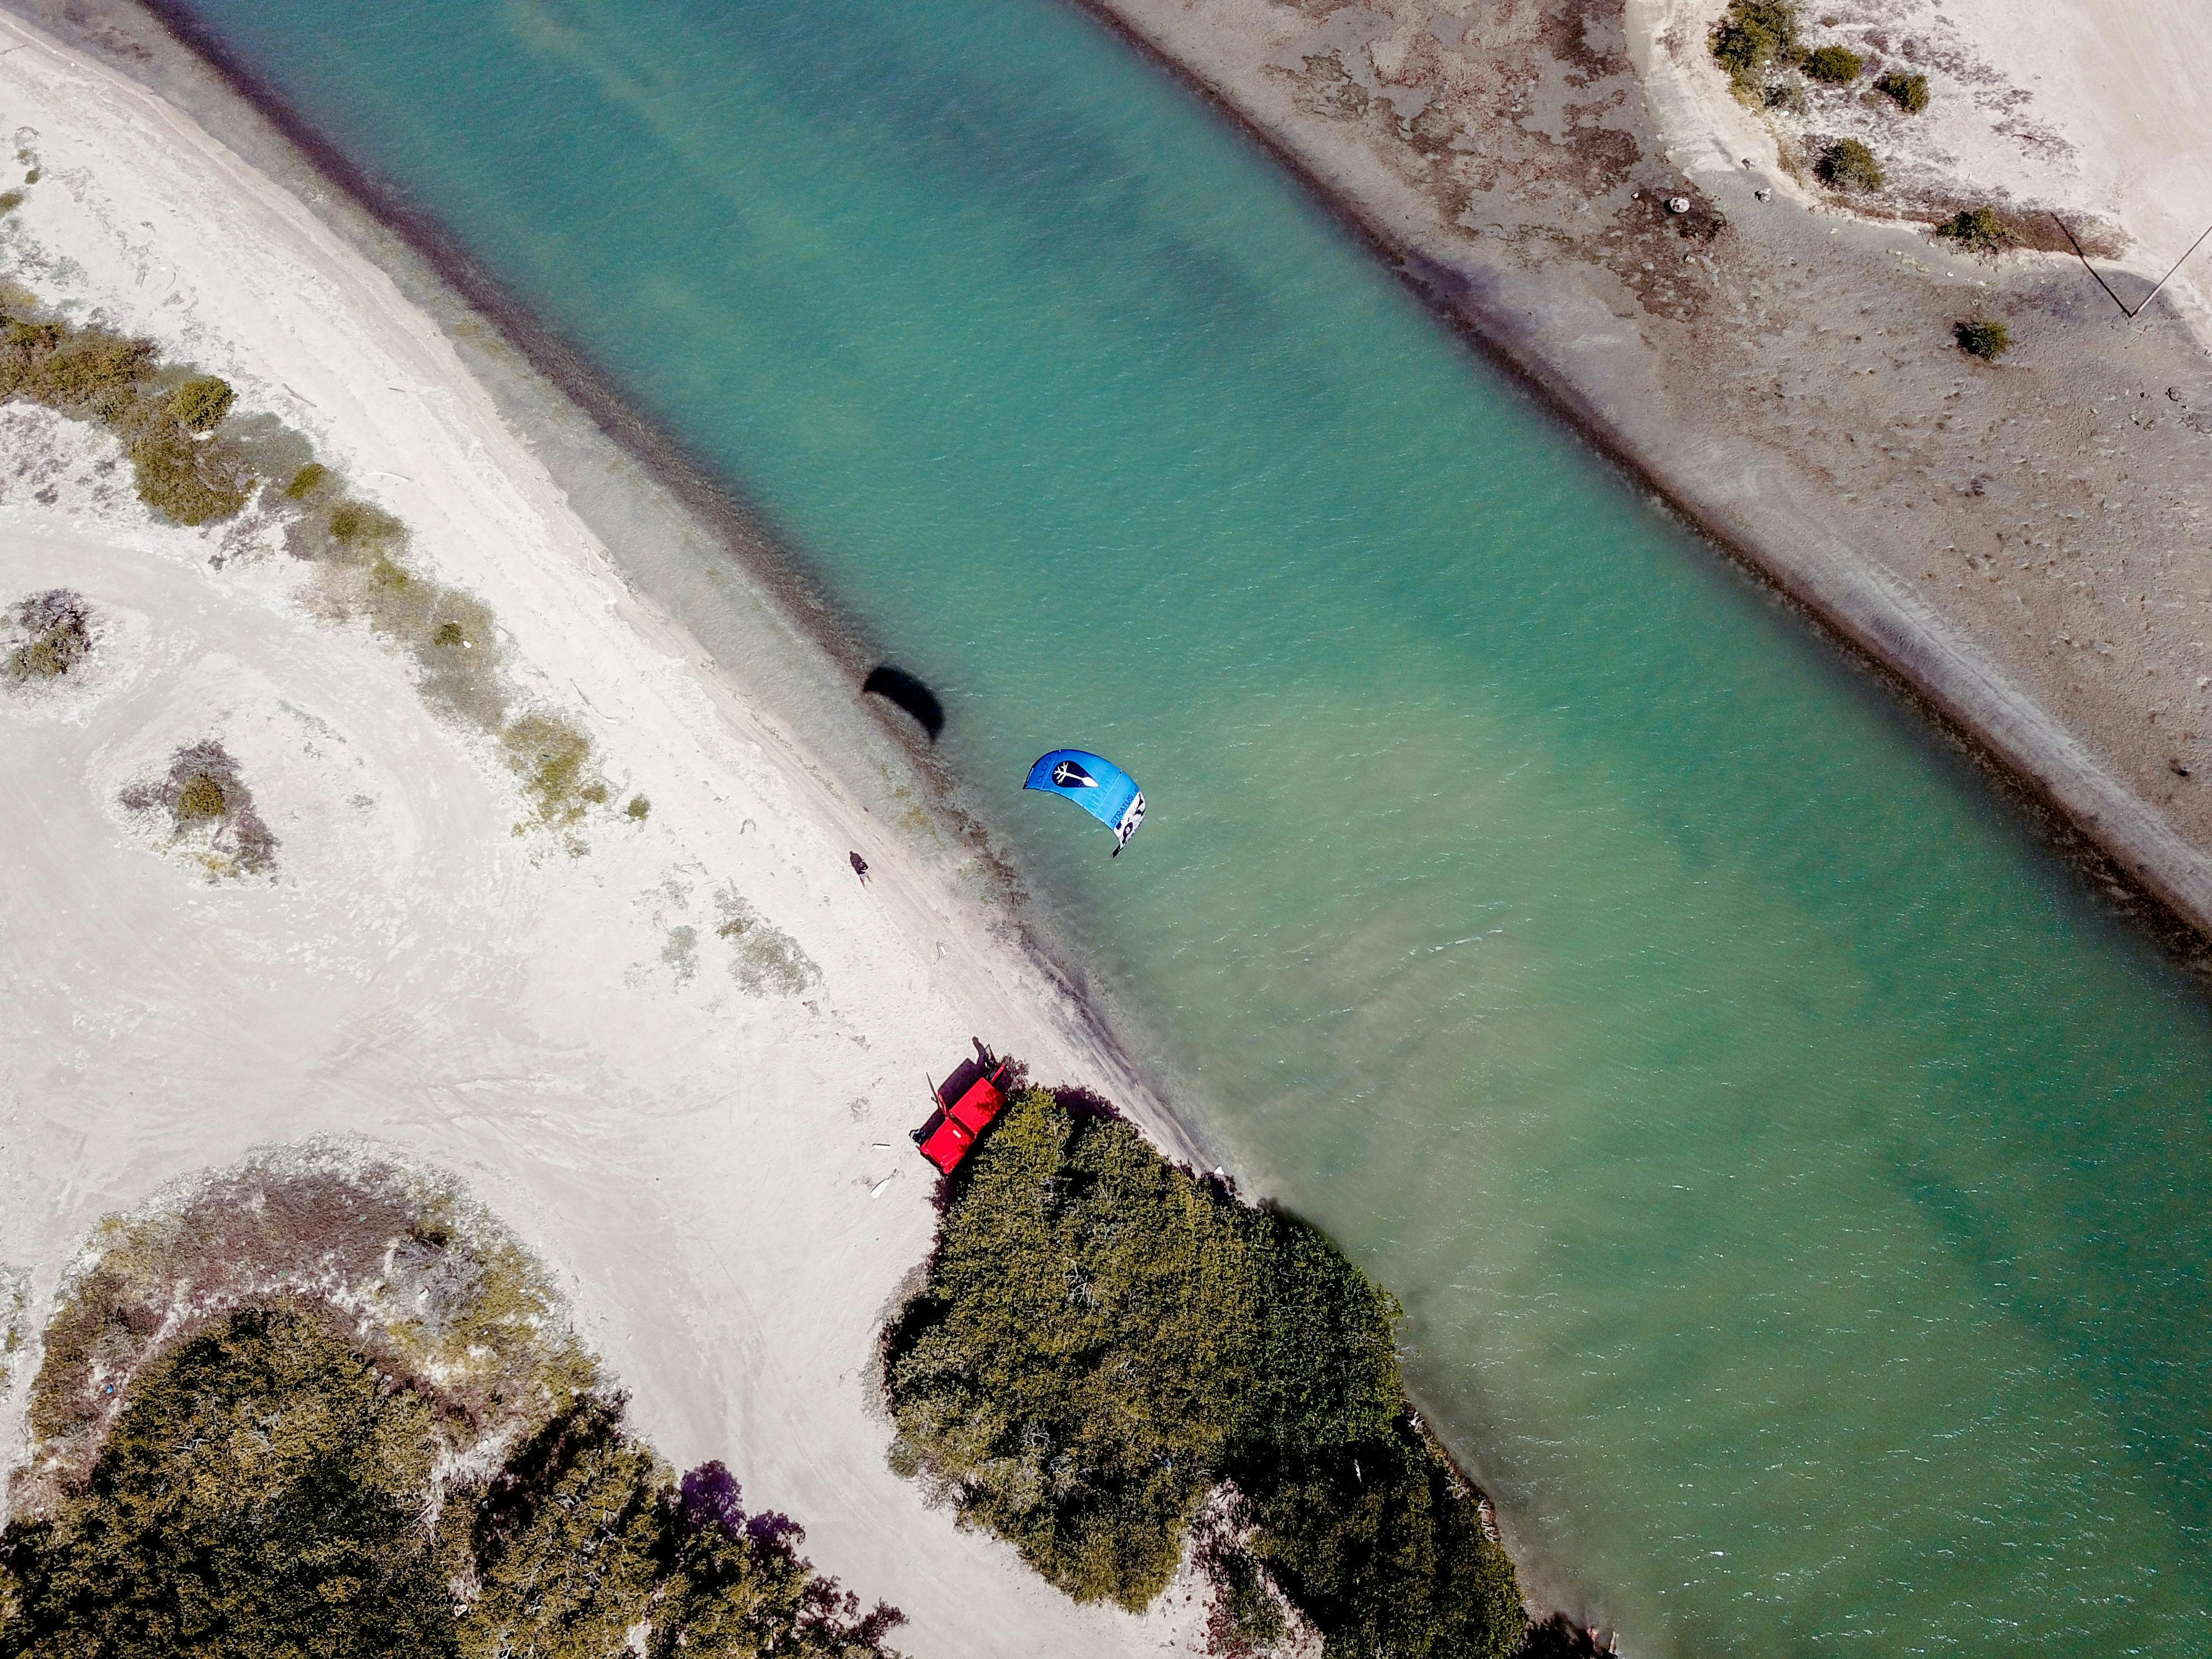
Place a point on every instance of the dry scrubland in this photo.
(1801, 362)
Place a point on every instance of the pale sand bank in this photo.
(717, 1168)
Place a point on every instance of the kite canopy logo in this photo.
(1097, 785)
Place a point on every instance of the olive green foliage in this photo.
(11, 200)
(1754, 36)
(90, 374)
(567, 1540)
(1848, 164)
(190, 473)
(260, 1428)
(445, 1290)
(638, 809)
(203, 789)
(1977, 230)
(56, 636)
(186, 481)
(553, 759)
(1983, 336)
(1838, 65)
(1104, 1339)
(1908, 90)
(457, 651)
(200, 404)
(263, 1495)
(1789, 94)
(741, 1588)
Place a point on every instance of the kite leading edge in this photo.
(1097, 785)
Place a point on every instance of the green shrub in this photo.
(1978, 230)
(555, 761)
(1983, 336)
(1848, 164)
(1104, 1339)
(201, 798)
(203, 787)
(359, 527)
(87, 373)
(1754, 35)
(638, 808)
(1908, 92)
(1838, 65)
(202, 402)
(185, 481)
(307, 481)
(10, 201)
(58, 629)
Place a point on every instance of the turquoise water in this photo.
(1796, 1184)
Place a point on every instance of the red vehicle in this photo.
(967, 1103)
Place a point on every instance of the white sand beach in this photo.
(708, 1142)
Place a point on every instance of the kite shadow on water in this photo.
(895, 685)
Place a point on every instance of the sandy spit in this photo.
(715, 1164)
(2020, 550)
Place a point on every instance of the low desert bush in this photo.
(1848, 164)
(1104, 1339)
(555, 761)
(10, 201)
(1983, 336)
(638, 809)
(1977, 230)
(90, 374)
(200, 404)
(1908, 91)
(190, 473)
(1836, 65)
(56, 636)
(204, 790)
(1752, 36)
(186, 480)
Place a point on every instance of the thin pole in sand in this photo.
(2137, 310)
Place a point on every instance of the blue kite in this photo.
(1097, 785)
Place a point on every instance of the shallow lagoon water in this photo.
(1796, 1183)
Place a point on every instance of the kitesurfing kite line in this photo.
(1097, 785)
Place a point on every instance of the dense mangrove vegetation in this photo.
(1105, 1343)
(316, 1410)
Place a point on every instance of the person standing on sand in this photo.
(859, 868)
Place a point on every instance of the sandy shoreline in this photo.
(717, 1172)
(1468, 148)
